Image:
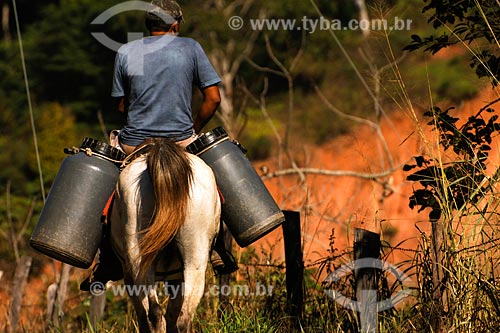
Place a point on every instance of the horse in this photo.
(166, 205)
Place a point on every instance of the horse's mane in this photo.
(171, 176)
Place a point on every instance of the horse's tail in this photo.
(171, 175)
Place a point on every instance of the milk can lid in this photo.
(206, 140)
(102, 148)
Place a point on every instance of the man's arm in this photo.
(119, 104)
(211, 101)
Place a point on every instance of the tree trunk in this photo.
(56, 296)
(226, 112)
(363, 17)
(6, 22)
(20, 280)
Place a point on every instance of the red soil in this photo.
(344, 203)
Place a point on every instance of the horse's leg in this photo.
(144, 299)
(194, 241)
(155, 312)
(174, 305)
(195, 265)
(141, 306)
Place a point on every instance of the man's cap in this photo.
(165, 10)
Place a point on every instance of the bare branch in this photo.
(335, 173)
(278, 63)
(246, 51)
(337, 111)
(227, 62)
(27, 220)
(264, 69)
(299, 54)
(102, 124)
(373, 125)
(261, 102)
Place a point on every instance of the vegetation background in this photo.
(283, 90)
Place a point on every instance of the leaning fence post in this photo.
(366, 275)
(294, 264)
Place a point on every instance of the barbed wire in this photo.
(402, 249)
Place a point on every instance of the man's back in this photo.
(156, 74)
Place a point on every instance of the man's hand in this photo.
(211, 101)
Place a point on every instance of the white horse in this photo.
(166, 205)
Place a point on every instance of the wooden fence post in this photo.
(366, 245)
(294, 264)
(96, 311)
(20, 281)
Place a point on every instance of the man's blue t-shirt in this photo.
(156, 74)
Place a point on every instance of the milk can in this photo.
(69, 228)
(248, 210)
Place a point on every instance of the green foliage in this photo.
(12, 91)
(448, 79)
(16, 218)
(455, 266)
(466, 298)
(56, 130)
(65, 62)
(460, 182)
(465, 22)
(258, 137)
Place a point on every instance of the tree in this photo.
(470, 22)
(55, 131)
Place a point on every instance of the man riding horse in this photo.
(152, 85)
